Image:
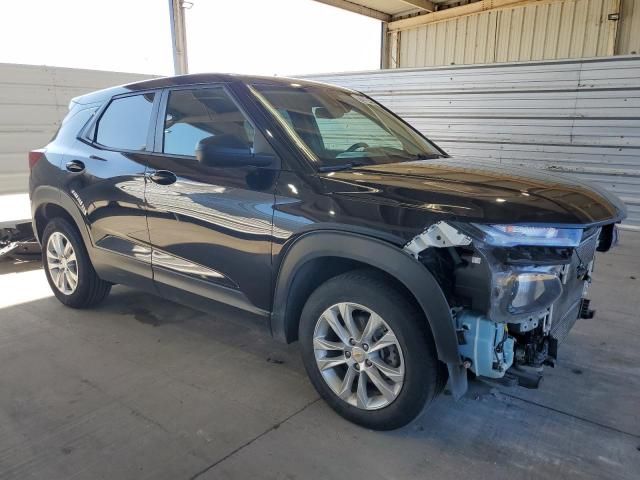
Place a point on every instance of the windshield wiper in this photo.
(424, 156)
(350, 165)
(337, 168)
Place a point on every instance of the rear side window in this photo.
(204, 115)
(125, 123)
(72, 124)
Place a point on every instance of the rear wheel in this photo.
(68, 268)
(368, 351)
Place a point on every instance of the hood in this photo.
(485, 192)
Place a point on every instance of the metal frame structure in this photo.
(463, 32)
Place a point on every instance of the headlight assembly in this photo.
(520, 286)
(514, 235)
(528, 292)
(507, 293)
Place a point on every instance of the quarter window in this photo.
(204, 115)
(125, 123)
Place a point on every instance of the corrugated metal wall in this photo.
(541, 31)
(628, 42)
(33, 102)
(575, 117)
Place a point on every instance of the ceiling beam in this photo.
(355, 8)
(468, 9)
(425, 5)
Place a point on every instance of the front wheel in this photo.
(368, 350)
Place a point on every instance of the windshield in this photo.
(338, 128)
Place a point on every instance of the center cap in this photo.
(358, 354)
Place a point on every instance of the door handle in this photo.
(75, 166)
(163, 177)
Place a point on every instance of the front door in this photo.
(210, 226)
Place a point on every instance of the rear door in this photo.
(106, 179)
(210, 226)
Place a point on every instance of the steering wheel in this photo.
(356, 146)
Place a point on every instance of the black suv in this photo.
(330, 220)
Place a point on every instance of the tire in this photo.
(89, 289)
(362, 294)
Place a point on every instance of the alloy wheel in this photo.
(358, 356)
(62, 263)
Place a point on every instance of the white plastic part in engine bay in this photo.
(438, 235)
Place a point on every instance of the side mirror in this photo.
(229, 151)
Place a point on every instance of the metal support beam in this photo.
(468, 9)
(178, 37)
(615, 8)
(425, 5)
(384, 46)
(355, 8)
(394, 48)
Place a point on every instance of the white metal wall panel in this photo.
(629, 35)
(542, 31)
(580, 117)
(33, 102)
(464, 40)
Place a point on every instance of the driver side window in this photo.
(340, 133)
(204, 116)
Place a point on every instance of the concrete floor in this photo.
(143, 388)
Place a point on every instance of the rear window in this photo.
(125, 123)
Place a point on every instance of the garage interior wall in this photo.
(579, 117)
(541, 30)
(628, 40)
(33, 102)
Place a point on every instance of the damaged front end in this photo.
(515, 291)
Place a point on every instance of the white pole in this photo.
(178, 37)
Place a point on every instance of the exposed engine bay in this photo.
(512, 304)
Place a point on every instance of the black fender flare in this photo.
(379, 254)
